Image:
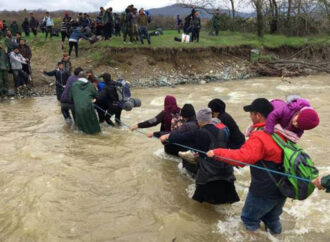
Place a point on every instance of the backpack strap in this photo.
(279, 141)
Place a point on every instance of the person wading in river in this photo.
(236, 138)
(264, 201)
(61, 76)
(66, 101)
(214, 181)
(83, 94)
(164, 117)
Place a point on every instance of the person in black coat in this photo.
(214, 180)
(187, 123)
(236, 138)
(107, 100)
(61, 77)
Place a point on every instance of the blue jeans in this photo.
(144, 32)
(258, 209)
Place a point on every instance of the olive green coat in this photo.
(82, 94)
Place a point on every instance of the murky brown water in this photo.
(59, 185)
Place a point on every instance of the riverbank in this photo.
(214, 59)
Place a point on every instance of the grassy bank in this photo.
(225, 38)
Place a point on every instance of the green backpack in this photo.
(297, 163)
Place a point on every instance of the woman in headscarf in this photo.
(164, 118)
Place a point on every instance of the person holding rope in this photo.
(264, 201)
(214, 180)
(164, 118)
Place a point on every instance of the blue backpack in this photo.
(123, 91)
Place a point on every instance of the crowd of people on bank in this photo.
(15, 57)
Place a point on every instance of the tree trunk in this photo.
(233, 13)
(288, 15)
(260, 20)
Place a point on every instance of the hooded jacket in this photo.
(16, 60)
(283, 113)
(82, 94)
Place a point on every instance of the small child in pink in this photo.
(297, 115)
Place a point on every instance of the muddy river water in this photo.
(57, 184)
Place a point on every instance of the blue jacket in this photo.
(76, 35)
(66, 93)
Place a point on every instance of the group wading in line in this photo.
(210, 142)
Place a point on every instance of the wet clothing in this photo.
(106, 100)
(83, 93)
(261, 150)
(236, 138)
(254, 211)
(214, 183)
(65, 98)
(61, 77)
(66, 101)
(164, 117)
(283, 113)
(185, 127)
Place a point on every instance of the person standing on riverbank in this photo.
(143, 26)
(49, 24)
(34, 25)
(26, 52)
(61, 77)
(83, 94)
(216, 22)
(4, 68)
(16, 62)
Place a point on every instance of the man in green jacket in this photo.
(83, 94)
(4, 67)
(216, 22)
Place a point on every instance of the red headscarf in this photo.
(170, 108)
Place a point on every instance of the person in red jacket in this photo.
(264, 201)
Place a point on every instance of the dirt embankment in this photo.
(147, 67)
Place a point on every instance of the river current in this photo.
(57, 184)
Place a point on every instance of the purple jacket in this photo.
(66, 93)
(283, 113)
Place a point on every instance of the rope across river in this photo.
(202, 152)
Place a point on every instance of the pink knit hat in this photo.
(308, 119)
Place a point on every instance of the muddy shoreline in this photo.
(159, 67)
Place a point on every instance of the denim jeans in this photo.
(257, 209)
(144, 32)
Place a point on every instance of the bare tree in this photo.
(210, 5)
(258, 5)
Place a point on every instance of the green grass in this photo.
(225, 38)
